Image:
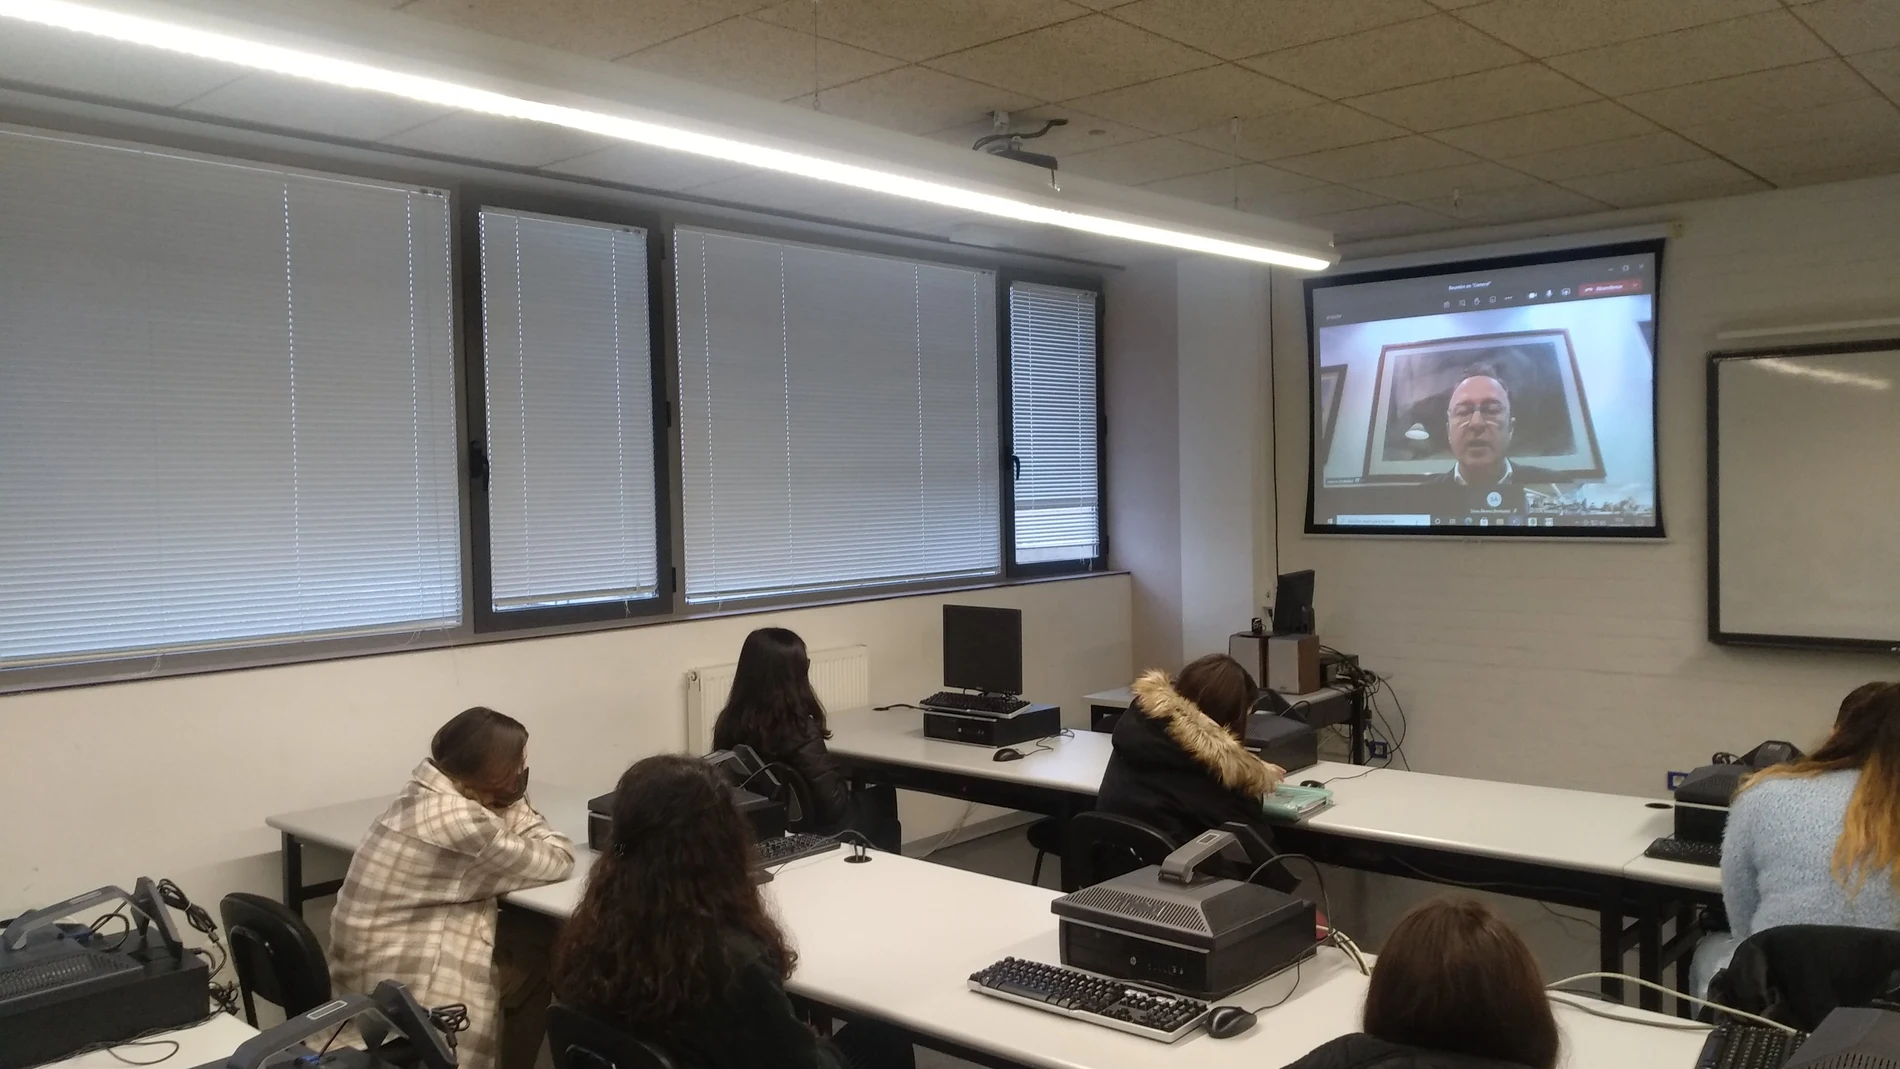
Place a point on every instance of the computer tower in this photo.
(1023, 725)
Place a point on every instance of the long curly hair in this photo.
(1866, 736)
(653, 937)
(772, 707)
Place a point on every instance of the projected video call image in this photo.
(1496, 398)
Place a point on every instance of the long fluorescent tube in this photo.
(258, 55)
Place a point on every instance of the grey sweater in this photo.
(1777, 857)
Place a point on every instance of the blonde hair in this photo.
(1866, 737)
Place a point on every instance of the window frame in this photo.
(1007, 276)
(483, 617)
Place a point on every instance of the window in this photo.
(226, 405)
(568, 384)
(838, 418)
(1055, 427)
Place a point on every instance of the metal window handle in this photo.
(1015, 468)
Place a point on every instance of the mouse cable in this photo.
(1281, 1001)
(1555, 986)
(1585, 1003)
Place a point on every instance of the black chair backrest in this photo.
(1799, 973)
(580, 1041)
(277, 956)
(1101, 846)
(797, 797)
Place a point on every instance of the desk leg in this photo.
(1610, 943)
(293, 873)
(1361, 714)
(1649, 952)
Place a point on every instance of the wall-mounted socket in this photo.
(1676, 778)
(1379, 749)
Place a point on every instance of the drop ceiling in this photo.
(1369, 118)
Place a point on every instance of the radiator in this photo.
(842, 678)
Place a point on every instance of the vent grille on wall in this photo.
(842, 678)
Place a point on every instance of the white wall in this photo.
(174, 777)
(1586, 664)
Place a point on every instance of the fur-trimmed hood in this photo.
(1200, 738)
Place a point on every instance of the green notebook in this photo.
(1295, 803)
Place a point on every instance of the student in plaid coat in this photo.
(420, 902)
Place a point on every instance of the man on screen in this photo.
(1478, 428)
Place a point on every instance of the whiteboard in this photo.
(1804, 496)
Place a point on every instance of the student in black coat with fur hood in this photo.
(1178, 765)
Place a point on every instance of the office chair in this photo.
(579, 1041)
(1102, 846)
(277, 956)
(801, 816)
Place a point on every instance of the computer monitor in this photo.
(983, 649)
(1293, 604)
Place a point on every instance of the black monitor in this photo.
(1293, 604)
(983, 649)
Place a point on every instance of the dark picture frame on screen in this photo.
(1406, 437)
(1331, 384)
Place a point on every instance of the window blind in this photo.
(838, 418)
(569, 383)
(1054, 419)
(226, 406)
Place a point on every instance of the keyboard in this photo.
(1670, 848)
(1098, 1000)
(794, 846)
(1747, 1046)
(55, 973)
(987, 704)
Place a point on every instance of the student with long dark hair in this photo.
(1455, 987)
(421, 899)
(671, 942)
(1817, 841)
(773, 709)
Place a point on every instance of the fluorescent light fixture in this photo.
(1832, 376)
(331, 70)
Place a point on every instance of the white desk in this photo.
(890, 747)
(212, 1041)
(895, 938)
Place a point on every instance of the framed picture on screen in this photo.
(1331, 385)
(1552, 431)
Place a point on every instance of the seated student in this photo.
(672, 944)
(1815, 842)
(773, 709)
(419, 904)
(1455, 987)
(1178, 764)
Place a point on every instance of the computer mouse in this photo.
(1311, 783)
(1006, 754)
(1226, 1022)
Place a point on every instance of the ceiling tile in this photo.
(61, 59)
(1870, 116)
(1145, 161)
(1197, 99)
(1751, 43)
(648, 168)
(1073, 59)
(1422, 50)
(1853, 26)
(516, 142)
(1694, 180)
(917, 100)
(1232, 29)
(1827, 159)
(1539, 200)
(1292, 133)
(759, 59)
(297, 104)
(1540, 131)
(1084, 132)
(1444, 182)
(1400, 155)
(920, 29)
(1384, 221)
(1550, 27)
(1318, 200)
(1475, 98)
(1604, 157)
(603, 29)
(1784, 88)
(1252, 183)
(1881, 68)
